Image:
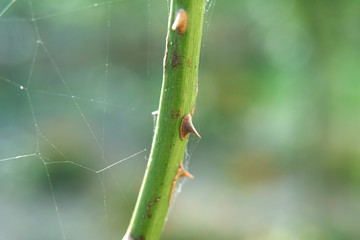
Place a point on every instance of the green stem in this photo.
(179, 90)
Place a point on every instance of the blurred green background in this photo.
(278, 112)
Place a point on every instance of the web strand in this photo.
(7, 7)
(53, 197)
(56, 14)
(57, 70)
(17, 157)
(106, 75)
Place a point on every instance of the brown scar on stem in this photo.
(181, 172)
(149, 205)
(187, 127)
(181, 21)
(173, 116)
(189, 64)
(176, 59)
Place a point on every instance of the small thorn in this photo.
(181, 21)
(184, 173)
(187, 127)
(181, 172)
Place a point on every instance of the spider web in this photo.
(75, 107)
(59, 121)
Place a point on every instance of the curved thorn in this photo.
(184, 172)
(181, 172)
(187, 127)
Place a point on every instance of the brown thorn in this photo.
(184, 173)
(187, 127)
(181, 172)
(181, 21)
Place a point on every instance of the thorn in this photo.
(181, 21)
(187, 127)
(183, 172)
